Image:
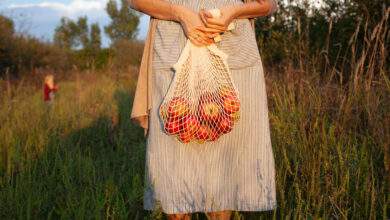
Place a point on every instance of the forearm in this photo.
(159, 9)
(255, 9)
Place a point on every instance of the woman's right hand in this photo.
(194, 28)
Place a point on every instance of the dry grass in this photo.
(85, 159)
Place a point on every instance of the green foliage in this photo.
(95, 41)
(21, 53)
(298, 31)
(6, 36)
(127, 53)
(75, 34)
(83, 42)
(124, 21)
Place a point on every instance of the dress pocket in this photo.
(240, 45)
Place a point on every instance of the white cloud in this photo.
(70, 9)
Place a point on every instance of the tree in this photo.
(6, 43)
(82, 31)
(124, 21)
(95, 37)
(71, 34)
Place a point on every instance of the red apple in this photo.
(173, 126)
(185, 137)
(209, 111)
(213, 134)
(225, 125)
(178, 106)
(190, 124)
(203, 133)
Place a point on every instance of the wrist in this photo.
(236, 11)
(232, 11)
(177, 12)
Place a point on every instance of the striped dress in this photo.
(236, 172)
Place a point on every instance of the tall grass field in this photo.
(83, 158)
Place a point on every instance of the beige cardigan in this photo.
(142, 102)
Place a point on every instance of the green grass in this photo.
(84, 158)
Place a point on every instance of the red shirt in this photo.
(46, 92)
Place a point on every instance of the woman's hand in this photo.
(194, 28)
(228, 14)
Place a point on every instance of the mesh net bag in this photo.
(202, 102)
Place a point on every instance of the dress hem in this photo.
(273, 206)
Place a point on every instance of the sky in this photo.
(40, 17)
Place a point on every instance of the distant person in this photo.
(49, 89)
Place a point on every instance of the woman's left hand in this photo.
(228, 14)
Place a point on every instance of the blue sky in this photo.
(40, 17)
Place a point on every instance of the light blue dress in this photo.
(237, 172)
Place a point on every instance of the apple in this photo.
(185, 137)
(213, 134)
(173, 126)
(190, 124)
(235, 116)
(225, 125)
(209, 111)
(178, 106)
(231, 103)
(226, 91)
(203, 133)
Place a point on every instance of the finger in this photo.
(199, 37)
(207, 29)
(202, 16)
(204, 40)
(208, 14)
(203, 36)
(194, 41)
(215, 21)
(217, 27)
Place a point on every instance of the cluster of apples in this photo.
(214, 115)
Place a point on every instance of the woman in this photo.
(237, 171)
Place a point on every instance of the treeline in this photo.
(76, 44)
(298, 35)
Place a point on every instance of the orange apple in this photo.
(190, 124)
(225, 125)
(209, 111)
(177, 107)
(231, 103)
(213, 134)
(235, 116)
(203, 133)
(185, 137)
